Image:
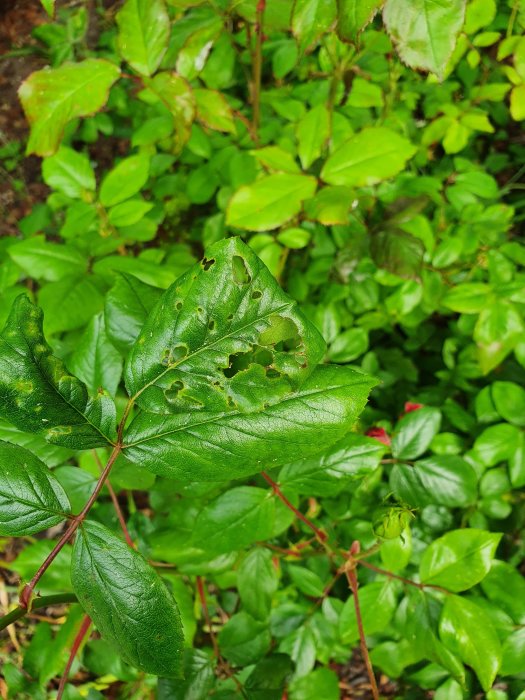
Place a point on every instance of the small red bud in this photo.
(409, 406)
(379, 434)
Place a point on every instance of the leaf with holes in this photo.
(38, 395)
(128, 601)
(224, 337)
(31, 498)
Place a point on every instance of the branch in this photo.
(408, 581)
(44, 602)
(82, 632)
(257, 63)
(116, 504)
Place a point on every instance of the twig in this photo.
(116, 504)
(257, 63)
(408, 581)
(204, 604)
(352, 580)
(44, 602)
(82, 632)
(321, 536)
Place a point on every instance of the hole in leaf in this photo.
(178, 305)
(241, 275)
(281, 330)
(172, 356)
(211, 324)
(206, 264)
(230, 317)
(272, 373)
(257, 294)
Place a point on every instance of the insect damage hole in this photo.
(241, 274)
(206, 264)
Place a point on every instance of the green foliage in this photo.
(239, 195)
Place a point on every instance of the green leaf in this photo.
(368, 157)
(414, 432)
(425, 32)
(143, 34)
(124, 180)
(41, 259)
(175, 93)
(301, 647)
(328, 473)
(311, 19)
(257, 582)
(129, 213)
(71, 302)
(205, 446)
(127, 601)
(467, 298)
(268, 679)
(269, 202)
(243, 640)
(447, 480)
(459, 559)
(194, 353)
(238, 518)
(95, 360)
(39, 396)
(498, 329)
(69, 172)
(468, 632)
(214, 111)
(509, 400)
(497, 443)
(199, 679)
(513, 653)
(353, 16)
(505, 586)
(349, 345)
(128, 305)
(306, 581)
(377, 602)
(312, 133)
(54, 96)
(31, 498)
(51, 455)
(321, 683)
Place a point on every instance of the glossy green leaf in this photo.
(243, 640)
(414, 432)
(444, 479)
(312, 133)
(208, 446)
(71, 302)
(321, 683)
(127, 601)
(124, 180)
(269, 202)
(498, 329)
(268, 679)
(95, 360)
(467, 630)
(509, 400)
(257, 582)
(31, 498)
(199, 679)
(42, 259)
(38, 395)
(368, 157)
(195, 354)
(54, 96)
(459, 559)
(128, 305)
(328, 473)
(353, 16)
(175, 93)
(214, 111)
(424, 32)
(377, 602)
(497, 443)
(129, 212)
(467, 298)
(143, 36)
(311, 19)
(51, 455)
(237, 518)
(513, 653)
(505, 586)
(69, 172)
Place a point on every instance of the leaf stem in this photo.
(44, 602)
(408, 581)
(257, 63)
(82, 632)
(116, 504)
(204, 605)
(27, 592)
(321, 536)
(352, 580)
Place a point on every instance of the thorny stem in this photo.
(257, 63)
(76, 521)
(116, 504)
(82, 632)
(321, 536)
(352, 580)
(44, 602)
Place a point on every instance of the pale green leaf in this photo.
(144, 29)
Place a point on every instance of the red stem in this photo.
(352, 580)
(204, 604)
(27, 592)
(82, 632)
(116, 506)
(408, 581)
(321, 536)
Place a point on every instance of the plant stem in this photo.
(43, 602)
(82, 632)
(408, 581)
(352, 580)
(321, 536)
(27, 592)
(204, 605)
(116, 505)
(257, 63)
